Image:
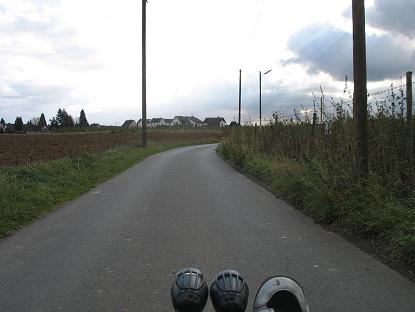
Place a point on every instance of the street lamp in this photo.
(260, 95)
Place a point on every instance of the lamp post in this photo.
(260, 95)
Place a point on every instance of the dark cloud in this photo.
(396, 16)
(330, 50)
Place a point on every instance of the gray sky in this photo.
(86, 54)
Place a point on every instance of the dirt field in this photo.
(27, 148)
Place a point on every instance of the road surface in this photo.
(117, 247)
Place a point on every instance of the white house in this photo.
(187, 122)
(179, 121)
(130, 124)
(196, 122)
(157, 122)
(140, 123)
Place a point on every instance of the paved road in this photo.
(116, 248)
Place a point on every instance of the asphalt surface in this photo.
(117, 247)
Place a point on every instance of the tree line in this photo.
(38, 124)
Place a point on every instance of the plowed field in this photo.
(27, 148)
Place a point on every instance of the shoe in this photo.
(229, 292)
(189, 292)
(280, 294)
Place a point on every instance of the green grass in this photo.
(31, 190)
(332, 195)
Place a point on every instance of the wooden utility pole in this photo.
(144, 75)
(240, 94)
(260, 99)
(409, 114)
(360, 85)
(314, 123)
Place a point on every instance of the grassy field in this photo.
(28, 191)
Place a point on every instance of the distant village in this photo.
(178, 121)
(64, 121)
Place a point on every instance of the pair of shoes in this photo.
(229, 292)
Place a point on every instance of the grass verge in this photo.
(28, 191)
(364, 209)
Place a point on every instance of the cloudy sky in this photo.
(86, 54)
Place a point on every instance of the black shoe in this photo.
(189, 291)
(229, 292)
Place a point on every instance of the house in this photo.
(156, 122)
(179, 121)
(196, 122)
(168, 122)
(129, 124)
(140, 123)
(187, 122)
(218, 122)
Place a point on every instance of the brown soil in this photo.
(27, 148)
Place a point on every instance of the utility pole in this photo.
(360, 85)
(240, 94)
(144, 75)
(409, 114)
(321, 105)
(260, 98)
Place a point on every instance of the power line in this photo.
(254, 32)
(349, 101)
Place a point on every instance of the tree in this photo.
(34, 121)
(83, 122)
(32, 125)
(68, 122)
(2, 125)
(54, 124)
(60, 116)
(42, 122)
(18, 124)
(62, 119)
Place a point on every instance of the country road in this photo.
(117, 247)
